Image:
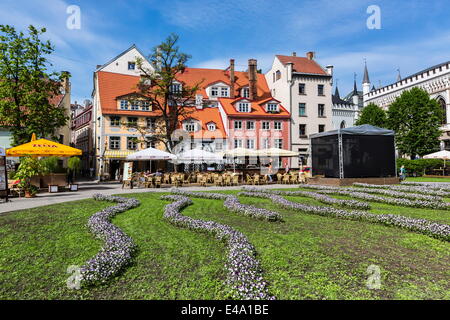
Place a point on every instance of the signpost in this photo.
(3, 173)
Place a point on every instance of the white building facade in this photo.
(434, 80)
(304, 88)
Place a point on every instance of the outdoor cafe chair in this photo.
(285, 179)
(227, 180)
(249, 179)
(256, 179)
(235, 181)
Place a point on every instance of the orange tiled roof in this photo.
(205, 116)
(257, 109)
(112, 85)
(302, 65)
(192, 76)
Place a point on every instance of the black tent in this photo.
(357, 152)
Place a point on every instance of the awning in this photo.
(240, 152)
(117, 154)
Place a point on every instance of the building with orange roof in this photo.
(304, 87)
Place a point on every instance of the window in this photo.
(219, 146)
(321, 127)
(150, 144)
(175, 88)
(250, 144)
(211, 126)
(145, 105)
(272, 107)
(190, 127)
(266, 125)
(237, 143)
(114, 143)
(303, 156)
(278, 143)
(115, 121)
(151, 123)
(302, 130)
(224, 92)
(132, 121)
(250, 125)
(135, 105)
(321, 110)
(301, 88)
(124, 104)
(214, 91)
(273, 76)
(266, 143)
(302, 109)
(277, 125)
(320, 89)
(131, 65)
(342, 124)
(131, 143)
(243, 107)
(246, 92)
(278, 75)
(237, 125)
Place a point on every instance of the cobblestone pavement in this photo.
(88, 189)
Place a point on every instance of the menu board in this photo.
(3, 180)
(127, 171)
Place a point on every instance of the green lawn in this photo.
(425, 179)
(304, 257)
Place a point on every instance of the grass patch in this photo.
(304, 257)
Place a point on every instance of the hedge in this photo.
(420, 167)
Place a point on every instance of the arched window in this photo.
(278, 75)
(444, 110)
(343, 124)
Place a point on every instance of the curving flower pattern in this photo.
(353, 204)
(404, 188)
(117, 249)
(232, 204)
(244, 274)
(434, 229)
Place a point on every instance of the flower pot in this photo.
(28, 194)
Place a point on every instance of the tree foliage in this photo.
(416, 120)
(26, 85)
(372, 114)
(157, 83)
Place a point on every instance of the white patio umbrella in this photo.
(151, 154)
(444, 154)
(239, 153)
(198, 156)
(276, 152)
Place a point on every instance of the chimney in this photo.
(310, 55)
(252, 79)
(65, 83)
(330, 71)
(232, 78)
(294, 54)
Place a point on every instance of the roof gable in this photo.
(303, 65)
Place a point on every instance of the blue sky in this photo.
(414, 34)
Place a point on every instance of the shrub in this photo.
(419, 167)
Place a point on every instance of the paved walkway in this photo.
(88, 189)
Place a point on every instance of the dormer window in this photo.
(224, 91)
(214, 91)
(190, 126)
(135, 105)
(244, 107)
(175, 88)
(272, 107)
(123, 104)
(145, 105)
(246, 92)
(211, 126)
(131, 65)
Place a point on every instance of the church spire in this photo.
(366, 73)
(355, 88)
(336, 92)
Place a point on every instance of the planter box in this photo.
(59, 179)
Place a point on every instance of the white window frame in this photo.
(246, 92)
(124, 104)
(224, 92)
(211, 126)
(253, 125)
(239, 127)
(250, 143)
(214, 91)
(278, 143)
(272, 107)
(278, 125)
(263, 127)
(237, 143)
(244, 107)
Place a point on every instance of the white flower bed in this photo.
(353, 204)
(430, 185)
(413, 189)
(232, 203)
(355, 193)
(434, 229)
(244, 275)
(117, 249)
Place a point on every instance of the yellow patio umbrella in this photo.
(42, 148)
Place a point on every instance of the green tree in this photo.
(416, 120)
(372, 114)
(160, 84)
(27, 87)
